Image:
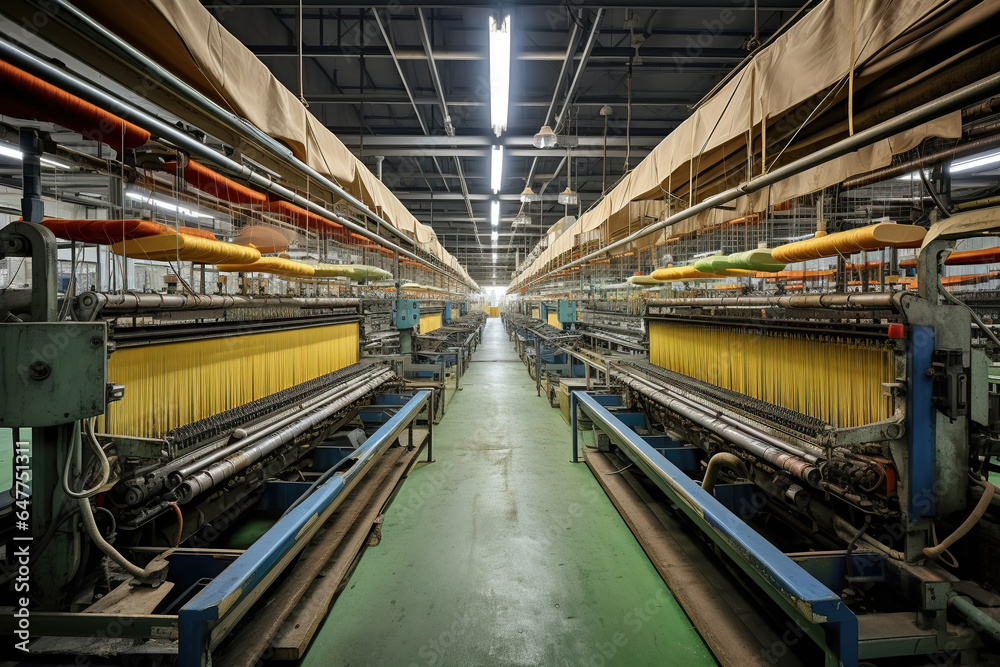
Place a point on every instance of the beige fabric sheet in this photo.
(801, 64)
(184, 37)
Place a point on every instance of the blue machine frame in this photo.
(209, 616)
(821, 614)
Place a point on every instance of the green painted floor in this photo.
(504, 553)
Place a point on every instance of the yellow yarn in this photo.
(184, 247)
(173, 384)
(838, 381)
(429, 322)
(279, 266)
(872, 237)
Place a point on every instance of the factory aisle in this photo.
(504, 553)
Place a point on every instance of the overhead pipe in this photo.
(588, 48)
(868, 300)
(409, 95)
(222, 470)
(86, 26)
(449, 127)
(908, 119)
(879, 175)
(134, 302)
(574, 36)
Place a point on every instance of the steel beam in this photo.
(443, 151)
(409, 93)
(482, 141)
(678, 5)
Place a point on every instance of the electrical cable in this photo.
(933, 193)
(975, 318)
(854, 541)
(88, 428)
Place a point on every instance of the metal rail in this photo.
(208, 617)
(821, 614)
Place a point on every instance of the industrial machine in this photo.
(832, 452)
(212, 395)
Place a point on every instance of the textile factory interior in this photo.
(467, 332)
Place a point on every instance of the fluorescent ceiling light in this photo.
(974, 163)
(7, 151)
(165, 205)
(494, 236)
(545, 138)
(494, 258)
(499, 73)
(495, 214)
(496, 168)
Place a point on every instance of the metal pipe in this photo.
(812, 457)
(974, 615)
(177, 476)
(134, 302)
(124, 51)
(832, 300)
(226, 468)
(566, 63)
(904, 121)
(715, 466)
(773, 455)
(920, 163)
(409, 95)
(584, 58)
(767, 437)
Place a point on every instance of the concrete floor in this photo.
(504, 553)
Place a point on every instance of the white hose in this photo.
(88, 428)
(970, 521)
(90, 526)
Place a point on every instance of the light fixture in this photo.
(974, 163)
(496, 168)
(522, 219)
(495, 213)
(528, 195)
(494, 236)
(494, 258)
(7, 151)
(499, 72)
(568, 197)
(165, 205)
(709, 253)
(545, 138)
